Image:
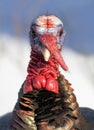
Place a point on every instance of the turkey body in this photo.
(45, 110)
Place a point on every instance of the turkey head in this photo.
(47, 35)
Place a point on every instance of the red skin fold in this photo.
(52, 85)
(39, 82)
(27, 87)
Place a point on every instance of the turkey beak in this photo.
(46, 54)
(49, 41)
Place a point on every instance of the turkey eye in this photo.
(33, 33)
(61, 32)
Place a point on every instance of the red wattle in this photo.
(52, 85)
(27, 87)
(39, 82)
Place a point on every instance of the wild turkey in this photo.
(46, 100)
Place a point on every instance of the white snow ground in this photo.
(14, 58)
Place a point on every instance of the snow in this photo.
(14, 58)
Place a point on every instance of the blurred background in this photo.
(15, 20)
